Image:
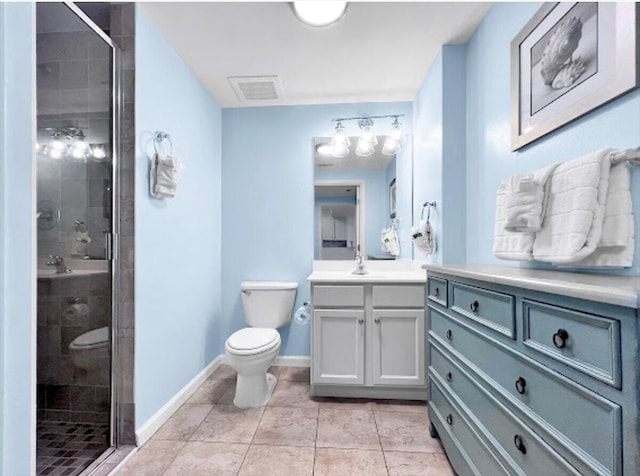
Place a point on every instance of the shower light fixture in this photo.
(368, 140)
(319, 13)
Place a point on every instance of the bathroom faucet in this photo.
(359, 266)
(58, 262)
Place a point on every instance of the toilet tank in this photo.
(268, 303)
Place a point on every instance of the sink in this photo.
(78, 268)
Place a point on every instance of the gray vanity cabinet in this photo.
(368, 340)
(529, 382)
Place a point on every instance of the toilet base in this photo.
(253, 391)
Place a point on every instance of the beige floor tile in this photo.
(152, 459)
(184, 422)
(400, 406)
(277, 461)
(347, 429)
(334, 462)
(417, 464)
(227, 397)
(211, 390)
(292, 394)
(296, 374)
(276, 370)
(224, 371)
(199, 458)
(405, 431)
(344, 403)
(284, 426)
(228, 424)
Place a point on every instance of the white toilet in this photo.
(90, 351)
(251, 351)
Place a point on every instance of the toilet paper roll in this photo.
(75, 313)
(303, 314)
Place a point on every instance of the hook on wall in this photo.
(158, 138)
(428, 206)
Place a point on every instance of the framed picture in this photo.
(569, 59)
(392, 199)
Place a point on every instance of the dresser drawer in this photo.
(338, 296)
(398, 296)
(588, 343)
(437, 290)
(526, 449)
(491, 309)
(474, 450)
(555, 400)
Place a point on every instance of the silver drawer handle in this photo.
(377, 320)
(361, 320)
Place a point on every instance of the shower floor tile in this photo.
(66, 448)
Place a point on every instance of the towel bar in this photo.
(632, 156)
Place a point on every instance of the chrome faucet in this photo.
(58, 262)
(359, 266)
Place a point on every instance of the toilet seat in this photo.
(91, 340)
(252, 340)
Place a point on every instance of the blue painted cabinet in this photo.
(524, 381)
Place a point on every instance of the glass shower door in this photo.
(75, 176)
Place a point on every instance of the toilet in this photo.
(90, 351)
(250, 351)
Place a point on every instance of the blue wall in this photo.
(17, 247)
(489, 160)
(268, 206)
(178, 241)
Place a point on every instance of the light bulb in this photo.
(56, 153)
(79, 148)
(319, 13)
(340, 142)
(98, 152)
(367, 141)
(56, 147)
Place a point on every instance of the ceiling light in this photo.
(340, 142)
(319, 14)
(368, 140)
(324, 149)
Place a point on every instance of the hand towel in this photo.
(424, 237)
(617, 243)
(164, 176)
(574, 215)
(390, 242)
(525, 200)
(506, 244)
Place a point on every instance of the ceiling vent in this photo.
(257, 89)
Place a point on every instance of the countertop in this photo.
(374, 276)
(610, 289)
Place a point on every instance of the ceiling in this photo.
(376, 52)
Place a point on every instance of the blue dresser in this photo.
(533, 372)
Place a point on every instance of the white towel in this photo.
(525, 200)
(390, 242)
(617, 243)
(507, 244)
(165, 170)
(424, 237)
(574, 215)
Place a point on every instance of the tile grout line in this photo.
(264, 409)
(315, 442)
(384, 457)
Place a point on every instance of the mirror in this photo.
(355, 198)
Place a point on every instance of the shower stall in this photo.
(76, 155)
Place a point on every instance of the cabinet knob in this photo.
(449, 334)
(475, 305)
(560, 338)
(449, 376)
(436, 292)
(377, 320)
(521, 385)
(361, 320)
(450, 419)
(517, 440)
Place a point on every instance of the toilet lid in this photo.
(253, 338)
(95, 337)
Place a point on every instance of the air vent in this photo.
(257, 89)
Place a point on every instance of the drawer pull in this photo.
(517, 440)
(475, 305)
(449, 419)
(449, 377)
(361, 320)
(377, 320)
(560, 338)
(521, 385)
(436, 292)
(449, 334)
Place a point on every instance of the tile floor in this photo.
(293, 435)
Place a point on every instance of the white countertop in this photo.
(605, 288)
(392, 277)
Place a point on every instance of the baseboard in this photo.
(293, 361)
(158, 419)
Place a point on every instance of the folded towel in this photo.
(617, 243)
(164, 176)
(573, 219)
(525, 200)
(390, 241)
(507, 244)
(424, 237)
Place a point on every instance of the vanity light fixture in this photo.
(79, 149)
(368, 140)
(98, 151)
(319, 13)
(56, 149)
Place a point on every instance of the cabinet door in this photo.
(338, 346)
(398, 347)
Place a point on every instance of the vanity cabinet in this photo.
(368, 340)
(538, 368)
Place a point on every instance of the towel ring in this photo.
(428, 206)
(158, 138)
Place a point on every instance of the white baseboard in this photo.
(293, 361)
(158, 419)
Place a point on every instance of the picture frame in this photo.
(392, 199)
(569, 59)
